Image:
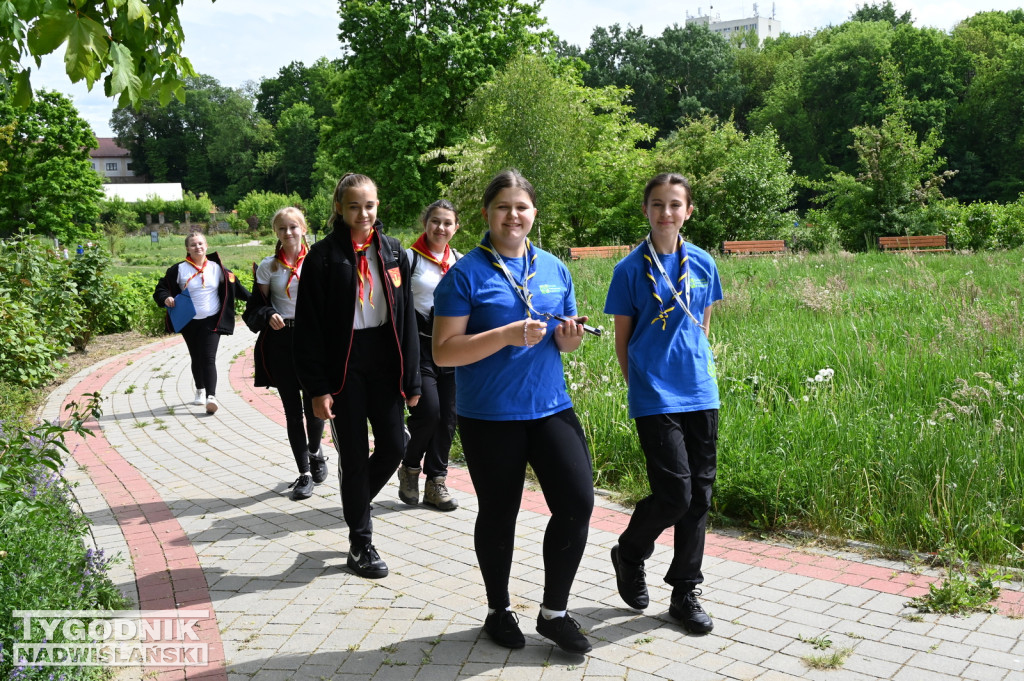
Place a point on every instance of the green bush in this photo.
(263, 205)
(174, 211)
(985, 226)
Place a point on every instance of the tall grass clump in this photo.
(876, 397)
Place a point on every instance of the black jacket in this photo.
(258, 311)
(325, 311)
(228, 290)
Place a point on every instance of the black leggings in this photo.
(304, 429)
(497, 453)
(202, 344)
(432, 421)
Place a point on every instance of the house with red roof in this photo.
(112, 162)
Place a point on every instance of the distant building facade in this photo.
(763, 27)
(112, 162)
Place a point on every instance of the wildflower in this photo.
(932, 422)
(806, 398)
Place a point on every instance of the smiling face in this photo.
(195, 245)
(510, 216)
(667, 208)
(358, 207)
(290, 227)
(439, 228)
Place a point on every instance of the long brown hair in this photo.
(347, 180)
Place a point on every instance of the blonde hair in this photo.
(279, 216)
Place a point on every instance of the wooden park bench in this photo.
(924, 244)
(766, 247)
(580, 252)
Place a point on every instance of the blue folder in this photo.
(182, 312)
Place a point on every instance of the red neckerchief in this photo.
(199, 271)
(293, 270)
(423, 249)
(365, 277)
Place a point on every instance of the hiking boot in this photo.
(200, 399)
(503, 628)
(687, 609)
(302, 488)
(211, 404)
(435, 493)
(318, 466)
(409, 484)
(366, 562)
(565, 632)
(631, 580)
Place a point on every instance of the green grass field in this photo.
(912, 443)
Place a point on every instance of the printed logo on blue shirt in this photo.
(712, 370)
(697, 282)
(551, 288)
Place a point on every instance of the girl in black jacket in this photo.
(271, 313)
(357, 352)
(213, 289)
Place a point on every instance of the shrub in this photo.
(263, 205)
(44, 564)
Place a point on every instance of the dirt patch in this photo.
(100, 348)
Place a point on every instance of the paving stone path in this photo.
(198, 506)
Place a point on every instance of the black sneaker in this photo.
(565, 632)
(503, 628)
(302, 488)
(687, 609)
(631, 580)
(318, 467)
(366, 562)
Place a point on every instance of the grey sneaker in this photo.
(435, 493)
(318, 466)
(200, 399)
(409, 484)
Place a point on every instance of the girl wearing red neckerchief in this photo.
(431, 423)
(213, 289)
(271, 313)
(356, 351)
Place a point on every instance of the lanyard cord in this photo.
(684, 259)
(521, 290)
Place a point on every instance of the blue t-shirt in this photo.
(670, 370)
(515, 383)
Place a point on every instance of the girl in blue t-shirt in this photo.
(490, 313)
(661, 296)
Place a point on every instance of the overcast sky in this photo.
(239, 40)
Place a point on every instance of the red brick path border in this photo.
(167, 571)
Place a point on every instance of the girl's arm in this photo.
(707, 321)
(275, 320)
(623, 334)
(453, 347)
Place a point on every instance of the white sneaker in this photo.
(200, 398)
(211, 405)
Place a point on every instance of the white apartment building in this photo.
(764, 27)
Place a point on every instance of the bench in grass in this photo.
(580, 252)
(925, 244)
(765, 247)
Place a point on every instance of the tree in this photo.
(134, 46)
(297, 83)
(687, 71)
(885, 11)
(49, 186)
(213, 142)
(411, 67)
(900, 175)
(742, 185)
(577, 145)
